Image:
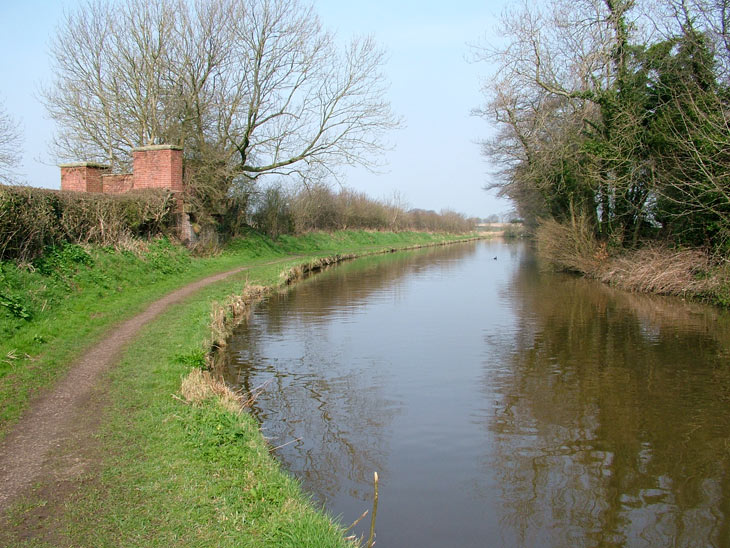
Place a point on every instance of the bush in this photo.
(272, 214)
(318, 207)
(571, 246)
(33, 219)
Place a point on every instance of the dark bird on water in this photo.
(495, 258)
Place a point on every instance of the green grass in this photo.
(51, 311)
(204, 479)
(167, 473)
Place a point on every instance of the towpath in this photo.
(67, 411)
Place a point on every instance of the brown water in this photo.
(501, 405)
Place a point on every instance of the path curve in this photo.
(48, 422)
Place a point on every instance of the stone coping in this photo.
(156, 147)
(85, 164)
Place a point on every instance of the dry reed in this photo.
(203, 384)
(655, 268)
(199, 386)
(658, 269)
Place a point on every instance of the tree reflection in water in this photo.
(612, 424)
(322, 382)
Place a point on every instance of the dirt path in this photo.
(53, 420)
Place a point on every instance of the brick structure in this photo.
(117, 183)
(158, 166)
(155, 166)
(83, 176)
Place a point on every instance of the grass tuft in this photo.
(200, 386)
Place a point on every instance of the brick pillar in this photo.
(82, 176)
(158, 166)
(161, 166)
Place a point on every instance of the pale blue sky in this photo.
(436, 162)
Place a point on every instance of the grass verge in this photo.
(54, 309)
(171, 472)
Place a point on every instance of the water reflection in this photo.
(501, 405)
(327, 390)
(612, 424)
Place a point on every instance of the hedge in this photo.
(32, 219)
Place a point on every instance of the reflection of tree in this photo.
(352, 283)
(612, 425)
(320, 392)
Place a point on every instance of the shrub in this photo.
(318, 207)
(571, 246)
(33, 219)
(272, 214)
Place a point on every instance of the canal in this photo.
(500, 404)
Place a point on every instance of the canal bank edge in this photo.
(165, 470)
(207, 382)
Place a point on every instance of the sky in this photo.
(435, 162)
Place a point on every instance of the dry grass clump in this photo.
(571, 246)
(655, 268)
(658, 269)
(224, 317)
(200, 386)
(298, 272)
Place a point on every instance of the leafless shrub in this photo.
(318, 207)
(571, 246)
(32, 219)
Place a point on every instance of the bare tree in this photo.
(552, 64)
(10, 143)
(570, 110)
(247, 87)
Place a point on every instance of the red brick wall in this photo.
(117, 183)
(73, 178)
(82, 176)
(158, 166)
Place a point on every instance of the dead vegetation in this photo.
(662, 270)
(299, 272)
(200, 386)
(203, 384)
(655, 268)
(571, 246)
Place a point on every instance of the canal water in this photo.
(501, 405)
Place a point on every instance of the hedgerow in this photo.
(33, 219)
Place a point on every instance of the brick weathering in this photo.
(157, 166)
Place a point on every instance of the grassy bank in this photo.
(166, 472)
(53, 309)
